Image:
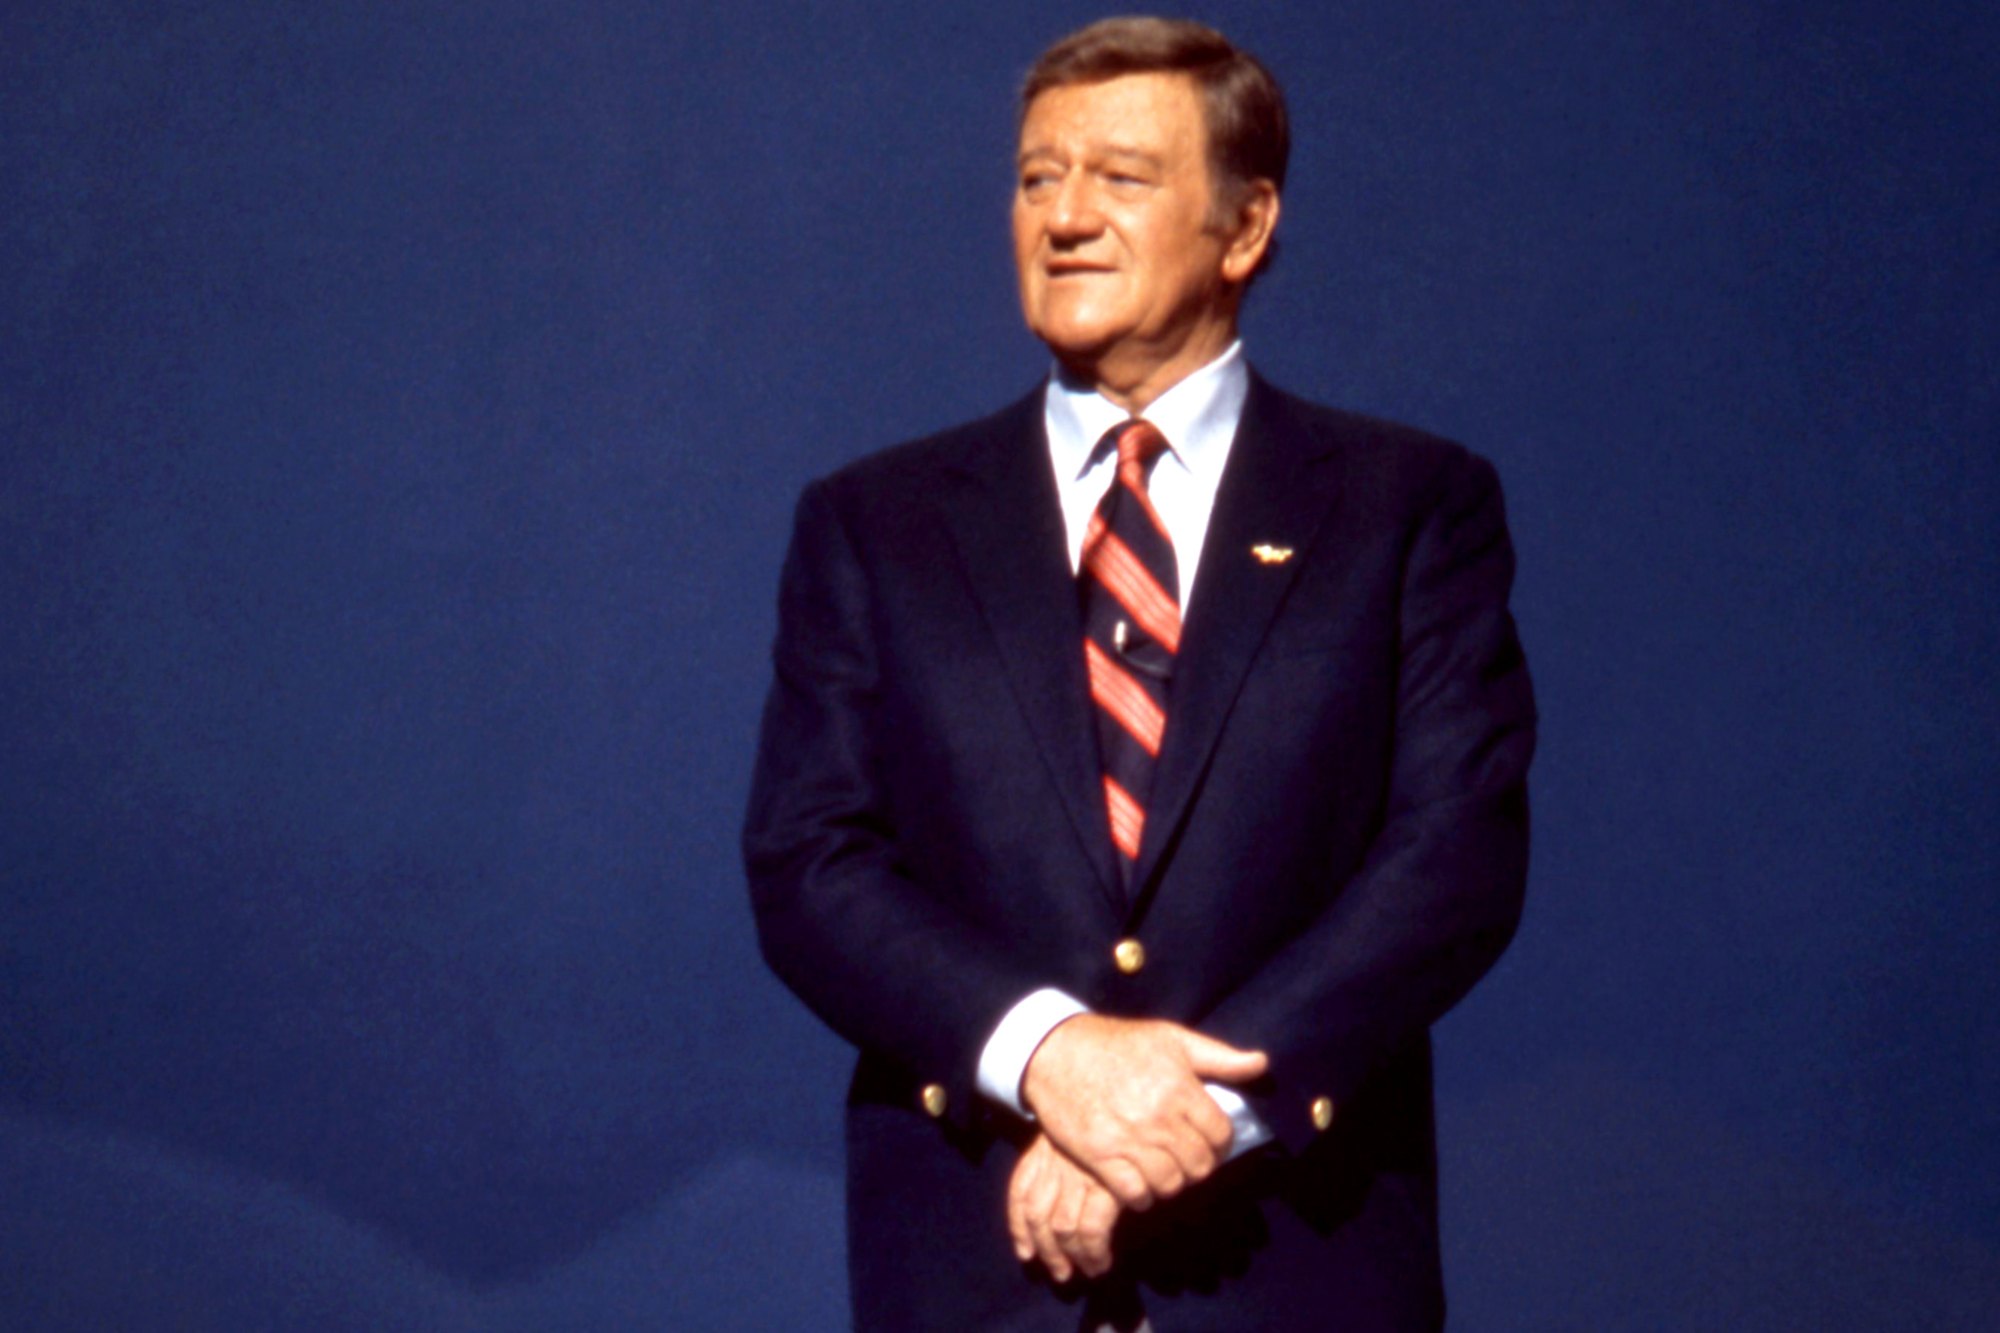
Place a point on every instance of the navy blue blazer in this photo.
(1334, 852)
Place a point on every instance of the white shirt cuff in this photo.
(1249, 1128)
(1003, 1061)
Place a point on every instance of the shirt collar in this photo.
(1198, 417)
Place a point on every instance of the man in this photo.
(1144, 773)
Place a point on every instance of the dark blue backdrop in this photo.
(402, 408)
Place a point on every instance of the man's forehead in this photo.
(1141, 115)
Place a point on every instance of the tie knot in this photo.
(1140, 444)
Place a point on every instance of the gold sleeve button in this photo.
(1129, 955)
(1322, 1113)
(934, 1099)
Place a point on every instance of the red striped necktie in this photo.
(1130, 588)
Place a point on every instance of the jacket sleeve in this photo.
(889, 964)
(1438, 894)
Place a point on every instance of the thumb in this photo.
(1219, 1060)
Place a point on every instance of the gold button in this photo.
(1322, 1113)
(934, 1099)
(1130, 955)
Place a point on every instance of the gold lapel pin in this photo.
(1271, 555)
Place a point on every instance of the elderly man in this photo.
(1144, 773)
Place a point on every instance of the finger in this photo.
(1093, 1248)
(1065, 1218)
(1193, 1150)
(1040, 1206)
(1082, 1219)
(1050, 1251)
(1209, 1122)
(1219, 1060)
(1163, 1173)
(1049, 1247)
(1017, 1214)
(1021, 1192)
(1044, 1247)
(1126, 1183)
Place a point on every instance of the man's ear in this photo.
(1250, 231)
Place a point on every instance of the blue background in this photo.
(402, 407)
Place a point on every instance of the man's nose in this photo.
(1074, 214)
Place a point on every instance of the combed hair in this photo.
(1249, 135)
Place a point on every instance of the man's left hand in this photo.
(1058, 1212)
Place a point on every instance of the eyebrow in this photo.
(1127, 154)
(1135, 155)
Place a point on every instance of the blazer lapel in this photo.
(1005, 519)
(1275, 490)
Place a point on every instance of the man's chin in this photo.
(1079, 347)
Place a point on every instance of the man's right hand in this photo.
(1059, 1213)
(1124, 1098)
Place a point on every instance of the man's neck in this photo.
(1079, 415)
(1134, 384)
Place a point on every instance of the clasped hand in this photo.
(1058, 1213)
(1126, 1122)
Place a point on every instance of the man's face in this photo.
(1122, 273)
